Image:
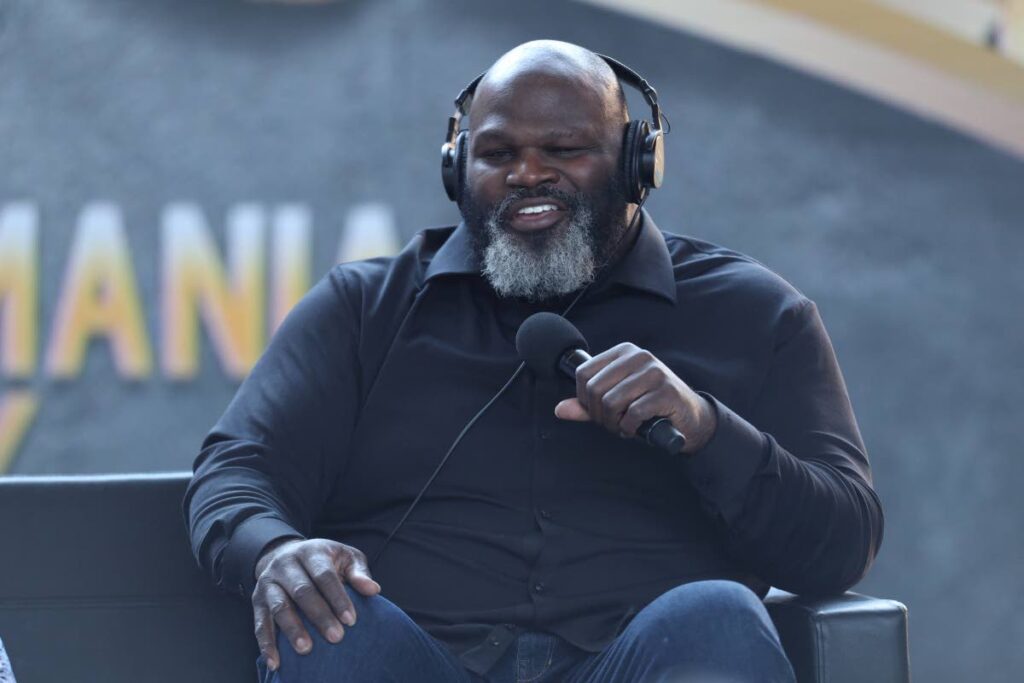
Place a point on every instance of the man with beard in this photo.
(546, 548)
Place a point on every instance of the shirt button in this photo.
(495, 642)
(545, 514)
(538, 587)
(545, 435)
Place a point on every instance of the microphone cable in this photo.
(502, 390)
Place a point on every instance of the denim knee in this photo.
(707, 631)
(379, 625)
(709, 606)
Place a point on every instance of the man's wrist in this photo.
(265, 555)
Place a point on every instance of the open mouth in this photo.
(539, 213)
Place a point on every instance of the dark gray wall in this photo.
(905, 233)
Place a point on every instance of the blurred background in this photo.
(175, 174)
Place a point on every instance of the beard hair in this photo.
(553, 262)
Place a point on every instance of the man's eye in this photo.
(496, 154)
(567, 151)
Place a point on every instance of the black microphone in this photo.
(548, 344)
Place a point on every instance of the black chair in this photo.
(98, 583)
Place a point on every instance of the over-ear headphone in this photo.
(643, 151)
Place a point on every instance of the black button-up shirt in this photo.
(535, 522)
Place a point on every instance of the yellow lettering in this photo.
(99, 297)
(194, 283)
(19, 295)
(17, 410)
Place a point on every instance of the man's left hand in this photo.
(626, 385)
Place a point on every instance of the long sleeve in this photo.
(270, 462)
(792, 484)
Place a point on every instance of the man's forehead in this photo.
(540, 83)
(501, 129)
(565, 104)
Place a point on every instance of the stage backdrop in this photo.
(175, 174)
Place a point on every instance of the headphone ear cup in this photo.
(652, 159)
(631, 149)
(448, 169)
(453, 166)
(461, 144)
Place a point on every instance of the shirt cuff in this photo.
(722, 470)
(245, 547)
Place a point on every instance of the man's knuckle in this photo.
(324, 547)
(324, 574)
(651, 370)
(303, 590)
(585, 372)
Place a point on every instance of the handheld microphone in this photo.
(548, 344)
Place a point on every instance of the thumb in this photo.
(571, 409)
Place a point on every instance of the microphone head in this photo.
(543, 338)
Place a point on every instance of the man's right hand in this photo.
(310, 575)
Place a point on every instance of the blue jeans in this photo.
(702, 632)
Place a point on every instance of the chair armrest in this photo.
(842, 639)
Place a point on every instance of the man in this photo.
(551, 546)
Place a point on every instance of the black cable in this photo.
(479, 413)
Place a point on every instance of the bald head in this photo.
(552, 61)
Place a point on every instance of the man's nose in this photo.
(531, 170)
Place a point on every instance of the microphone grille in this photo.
(543, 338)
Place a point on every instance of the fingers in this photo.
(303, 591)
(590, 369)
(358, 574)
(275, 606)
(307, 580)
(606, 388)
(327, 580)
(265, 636)
(639, 411)
(632, 398)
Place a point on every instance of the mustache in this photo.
(504, 208)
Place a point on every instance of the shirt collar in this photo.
(455, 257)
(646, 266)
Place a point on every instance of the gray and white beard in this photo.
(540, 267)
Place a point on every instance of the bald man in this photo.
(552, 546)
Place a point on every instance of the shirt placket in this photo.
(539, 545)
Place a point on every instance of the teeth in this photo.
(538, 209)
